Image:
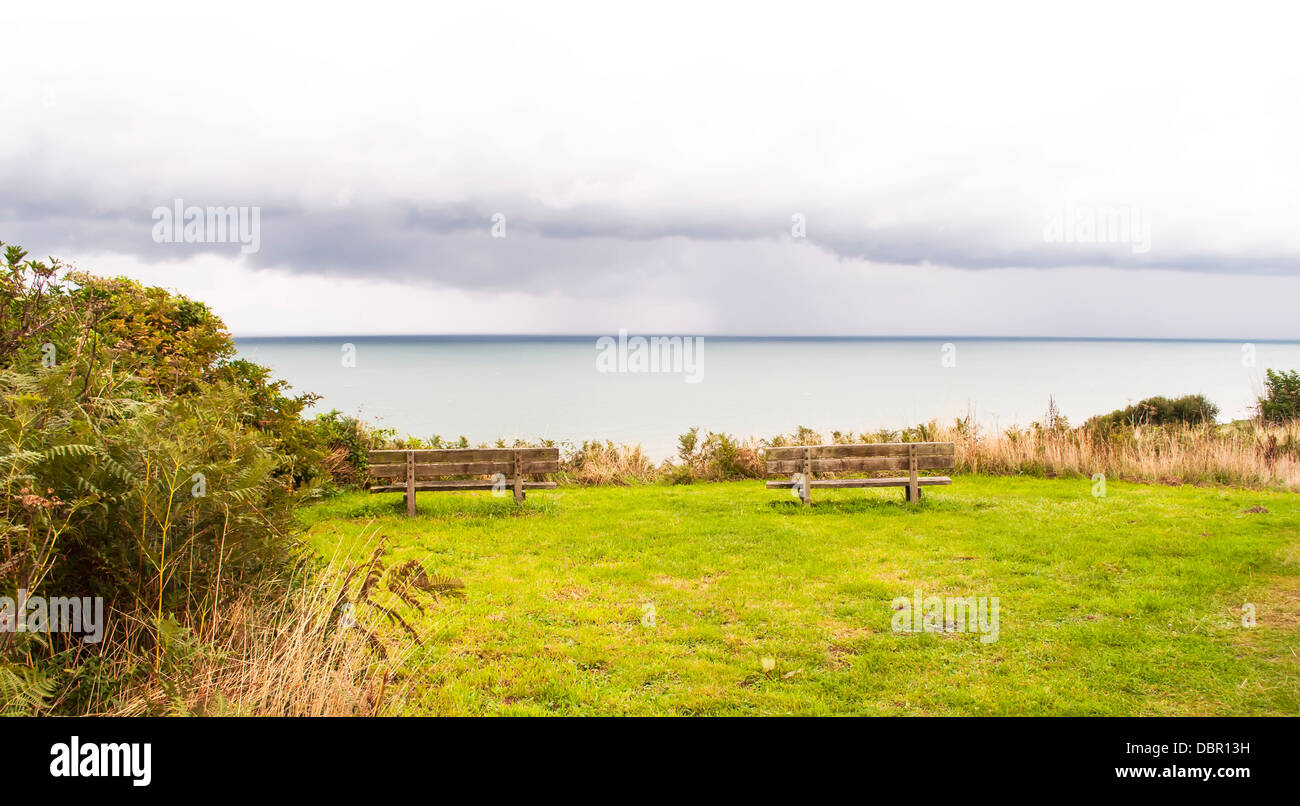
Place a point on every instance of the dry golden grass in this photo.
(1242, 454)
(317, 651)
(608, 463)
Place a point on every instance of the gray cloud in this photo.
(548, 248)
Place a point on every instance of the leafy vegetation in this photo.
(1281, 400)
(144, 464)
(1190, 410)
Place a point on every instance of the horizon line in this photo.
(752, 337)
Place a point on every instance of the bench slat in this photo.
(785, 468)
(457, 485)
(924, 481)
(429, 455)
(429, 471)
(858, 450)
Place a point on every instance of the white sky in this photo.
(649, 161)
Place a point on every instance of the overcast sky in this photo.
(697, 169)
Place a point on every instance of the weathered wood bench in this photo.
(801, 462)
(428, 470)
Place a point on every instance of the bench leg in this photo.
(913, 485)
(410, 484)
(805, 489)
(517, 470)
(907, 493)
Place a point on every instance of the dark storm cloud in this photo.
(545, 248)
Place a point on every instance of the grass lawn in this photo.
(1127, 604)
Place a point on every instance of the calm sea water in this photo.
(490, 387)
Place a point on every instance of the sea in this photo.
(577, 388)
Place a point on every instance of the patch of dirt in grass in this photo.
(569, 593)
(1280, 606)
(696, 585)
(486, 652)
(841, 634)
(838, 659)
(1277, 609)
(844, 640)
(1291, 554)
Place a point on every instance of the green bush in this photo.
(140, 462)
(347, 442)
(104, 498)
(1186, 410)
(715, 456)
(1281, 400)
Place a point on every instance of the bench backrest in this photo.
(870, 456)
(437, 463)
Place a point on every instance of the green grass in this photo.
(1128, 604)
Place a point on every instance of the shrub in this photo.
(1281, 400)
(348, 442)
(302, 456)
(156, 505)
(165, 341)
(142, 463)
(1187, 410)
(716, 456)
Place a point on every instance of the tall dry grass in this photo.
(599, 463)
(1241, 454)
(276, 658)
(328, 646)
(1244, 454)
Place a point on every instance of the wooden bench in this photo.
(428, 470)
(801, 462)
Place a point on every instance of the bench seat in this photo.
(923, 481)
